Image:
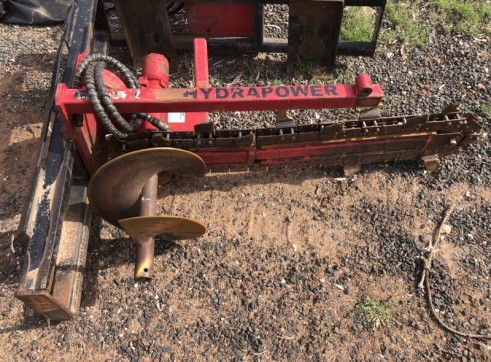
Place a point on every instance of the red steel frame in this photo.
(193, 104)
(220, 19)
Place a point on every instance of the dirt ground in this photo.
(288, 255)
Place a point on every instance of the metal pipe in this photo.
(145, 248)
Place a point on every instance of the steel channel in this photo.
(145, 248)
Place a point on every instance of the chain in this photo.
(465, 127)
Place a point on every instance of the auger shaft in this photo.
(145, 248)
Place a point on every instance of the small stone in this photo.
(446, 229)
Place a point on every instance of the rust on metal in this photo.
(64, 269)
(173, 227)
(430, 162)
(314, 28)
(124, 192)
(232, 26)
(115, 188)
(71, 256)
(370, 114)
(146, 28)
(451, 108)
(146, 245)
(43, 302)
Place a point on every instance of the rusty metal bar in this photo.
(145, 248)
(146, 28)
(314, 28)
(49, 268)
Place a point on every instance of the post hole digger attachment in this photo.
(174, 136)
(124, 190)
(115, 135)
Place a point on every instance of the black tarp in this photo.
(34, 12)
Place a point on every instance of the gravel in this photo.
(290, 252)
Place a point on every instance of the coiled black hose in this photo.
(104, 109)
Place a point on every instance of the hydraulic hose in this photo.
(106, 113)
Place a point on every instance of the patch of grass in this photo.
(304, 64)
(376, 313)
(344, 76)
(276, 82)
(413, 21)
(406, 25)
(357, 24)
(470, 17)
(486, 109)
(305, 71)
(252, 71)
(274, 76)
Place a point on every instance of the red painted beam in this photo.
(201, 76)
(206, 99)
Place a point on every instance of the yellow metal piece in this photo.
(144, 260)
(430, 162)
(141, 228)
